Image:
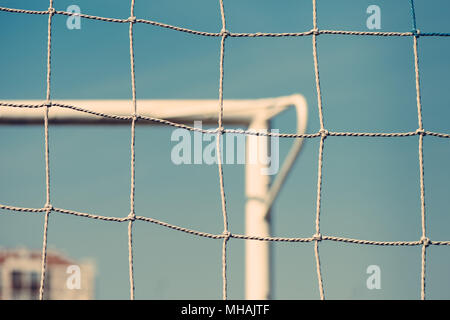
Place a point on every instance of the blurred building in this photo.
(20, 272)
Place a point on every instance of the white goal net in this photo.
(50, 110)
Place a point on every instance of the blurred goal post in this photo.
(255, 114)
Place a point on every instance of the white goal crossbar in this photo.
(72, 111)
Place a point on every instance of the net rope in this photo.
(226, 235)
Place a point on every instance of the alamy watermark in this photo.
(374, 20)
(74, 21)
(374, 280)
(74, 280)
(201, 148)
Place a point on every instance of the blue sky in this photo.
(370, 187)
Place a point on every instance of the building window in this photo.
(16, 284)
(34, 286)
(25, 285)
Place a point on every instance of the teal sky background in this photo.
(370, 185)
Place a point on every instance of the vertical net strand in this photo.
(132, 215)
(322, 140)
(219, 153)
(421, 132)
(51, 11)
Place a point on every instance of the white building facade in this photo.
(20, 271)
